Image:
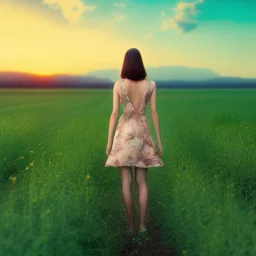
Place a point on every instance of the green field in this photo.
(57, 198)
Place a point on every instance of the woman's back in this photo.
(135, 94)
(135, 91)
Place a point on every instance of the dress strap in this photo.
(149, 86)
(124, 91)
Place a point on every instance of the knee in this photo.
(127, 181)
(141, 182)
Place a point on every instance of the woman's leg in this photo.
(141, 180)
(126, 175)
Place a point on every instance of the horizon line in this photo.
(86, 74)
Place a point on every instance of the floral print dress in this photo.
(132, 143)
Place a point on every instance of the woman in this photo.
(132, 143)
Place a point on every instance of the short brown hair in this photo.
(133, 67)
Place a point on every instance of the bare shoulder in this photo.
(153, 84)
(117, 84)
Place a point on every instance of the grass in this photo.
(56, 196)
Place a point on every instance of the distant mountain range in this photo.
(24, 80)
(165, 77)
(164, 73)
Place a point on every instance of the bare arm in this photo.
(154, 113)
(113, 116)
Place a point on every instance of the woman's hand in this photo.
(108, 149)
(160, 151)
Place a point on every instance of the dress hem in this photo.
(134, 165)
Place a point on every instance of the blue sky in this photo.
(220, 35)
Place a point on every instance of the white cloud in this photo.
(184, 18)
(117, 18)
(119, 4)
(72, 10)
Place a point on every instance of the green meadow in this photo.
(57, 198)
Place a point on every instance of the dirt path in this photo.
(151, 247)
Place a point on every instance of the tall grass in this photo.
(56, 196)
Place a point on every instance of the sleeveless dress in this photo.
(132, 143)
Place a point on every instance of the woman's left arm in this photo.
(113, 118)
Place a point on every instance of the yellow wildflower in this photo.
(88, 177)
(13, 179)
(31, 164)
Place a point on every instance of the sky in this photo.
(78, 36)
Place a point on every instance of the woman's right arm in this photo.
(155, 118)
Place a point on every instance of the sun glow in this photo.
(35, 43)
